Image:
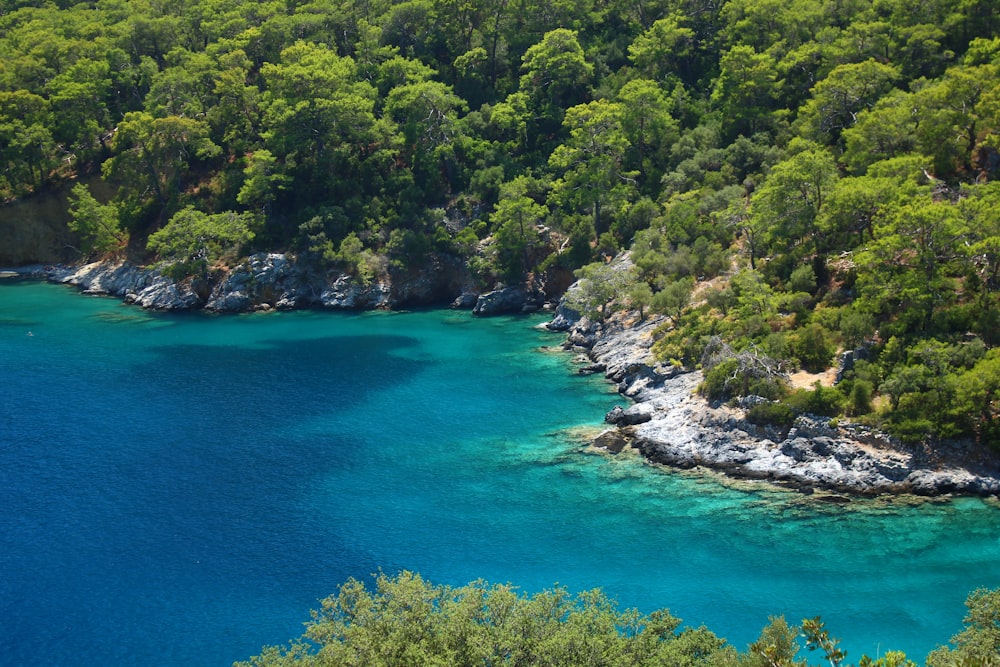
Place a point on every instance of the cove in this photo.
(182, 489)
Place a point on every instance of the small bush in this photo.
(813, 347)
(803, 279)
(820, 400)
(714, 386)
(771, 414)
(911, 430)
(860, 398)
(856, 327)
(728, 380)
(178, 271)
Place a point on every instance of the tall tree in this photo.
(956, 113)
(515, 224)
(664, 49)
(793, 195)
(427, 115)
(27, 148)
(907, 272)
(319, 120)
(96, 224)
(556, 76)
(154, 157)
(649, 128)
(838, 98)
(744, 90)
(589, 165)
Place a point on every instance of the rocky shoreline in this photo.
(669, 424)
(666, 421)
(277, 281)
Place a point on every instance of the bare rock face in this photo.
(143, 287)
(514, 299)
(347, 293)
(108, 279)
(436, 283)
(465, 301)
(266, 281)
(683, 430)
(639, 413)
(161, 293)
(565, 317)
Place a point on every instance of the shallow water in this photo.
(181, 489)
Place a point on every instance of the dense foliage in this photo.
(405, 620)
(833, 162)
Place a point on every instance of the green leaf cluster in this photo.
(405, 620)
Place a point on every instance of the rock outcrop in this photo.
(514, 299)
(266, 281)
(670, 424)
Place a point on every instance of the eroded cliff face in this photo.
(34, 231)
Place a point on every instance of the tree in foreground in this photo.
(407, 621)
(979, 642)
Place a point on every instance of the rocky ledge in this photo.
(276, 281)
(670, 424)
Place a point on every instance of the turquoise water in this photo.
(181, 489)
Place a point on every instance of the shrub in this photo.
(739, 376)
(911, 430)
(856, 327)
(803, 279)
(771, 414)
(813, 348)
(715, 384)
(860, 398)
(820, 400)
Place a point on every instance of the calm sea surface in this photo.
(180, 490)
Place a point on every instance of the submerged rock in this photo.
(612, 440)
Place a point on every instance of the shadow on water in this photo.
(185, 480)
(225, 441)
(277, 381)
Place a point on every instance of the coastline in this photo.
(279, 281)
(667, 422)
(261, 282)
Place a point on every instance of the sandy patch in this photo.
(806, 380)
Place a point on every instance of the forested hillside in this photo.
(793, 177)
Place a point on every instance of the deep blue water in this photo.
(180, 490)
